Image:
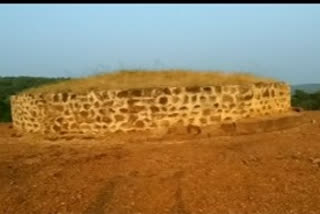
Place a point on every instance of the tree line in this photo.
(307, 101)
(13, 85)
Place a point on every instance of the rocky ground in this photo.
(275, 172)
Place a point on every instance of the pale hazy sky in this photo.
(281, 41)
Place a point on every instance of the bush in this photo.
(308, 101)
(5, 111)
(13, 85)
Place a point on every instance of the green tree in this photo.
(13, 85)
(308, 101)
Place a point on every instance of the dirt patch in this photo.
(103, 197)
(273, 172)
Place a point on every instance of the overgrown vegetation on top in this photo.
(124, 79)
(13, 85)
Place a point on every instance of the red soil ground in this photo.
(274, 172)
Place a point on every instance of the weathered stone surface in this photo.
(195, 89)
(163, 100)
(142, 109)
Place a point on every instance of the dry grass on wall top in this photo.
(125, 79)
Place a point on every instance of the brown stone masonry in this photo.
(146, 109)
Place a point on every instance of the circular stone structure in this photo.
(157, 108)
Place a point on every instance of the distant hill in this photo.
(309, 88)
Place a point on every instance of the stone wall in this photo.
(146, 109)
